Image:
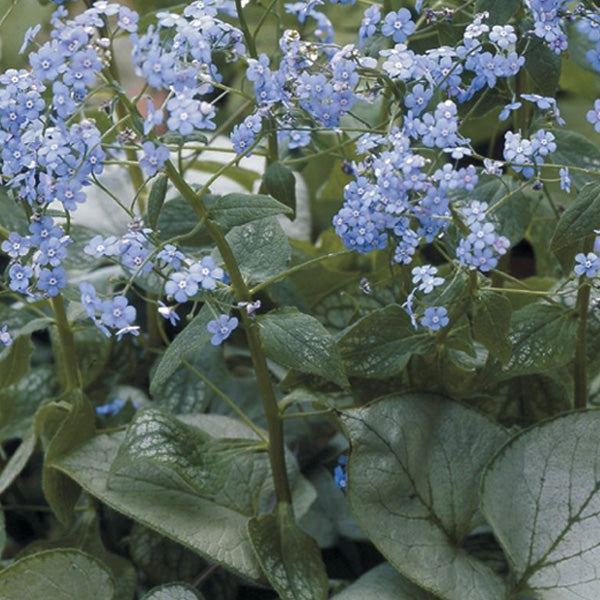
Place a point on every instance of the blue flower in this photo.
(168, 312)
(117, 313)
(398, 25)
(206, 273)
(16, 246)
(593, 116)
(154, 158)
(5, 337)
(19, 277)
(51, 281)
(181, 285)
(340, 476)
(221, 328)
(587, 264)
(565, 179)
(435, 318)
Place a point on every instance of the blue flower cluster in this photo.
(36, 258)
(185, 277)
(525, 154)
(115, 313)
(177, 56)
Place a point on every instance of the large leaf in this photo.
(56, 574)
(298, 341)
(218, 533)
(541, 494)
(174, 591)
(383, 583)
(380, 344)
(192, 338)
(289, 557)
(238, 209)
(491, 323)
(158, 481)
(261, 249)
(413, 473)
(580, 219)
(543, 337)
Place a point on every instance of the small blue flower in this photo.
(5, 337)
(52, 281)
(16, 246)
(565, 179)
(587, 264)
(340, 476)
(154, 158)
(398, 25)
(168, 312)
(593, 116)
(181, 285)
(117, 313)
(435, 318)
(19, 277)
(221, 328)
(206, 273)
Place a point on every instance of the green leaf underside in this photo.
(173, 591)
(290, 558)
(541, 494)
(14, 361)
(414, 469)
(233, 210)
(381, 344)
(580, 219)
(543, 337)
(383, 583)
(298, 341)
(56, 574)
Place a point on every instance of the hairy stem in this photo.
(582, 307)
(242, 294)
(67, 343)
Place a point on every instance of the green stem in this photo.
(290, 271)
(242, 294)
(67, 342)
(241, 414)
(133, 164)
(582, 307)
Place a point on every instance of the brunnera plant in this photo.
(174, 395)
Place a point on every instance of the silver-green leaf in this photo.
(289, 557)
(57, 574)
(383, 583)
(173, 591)
(298, 341)
(541, 495)
(413, 476)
